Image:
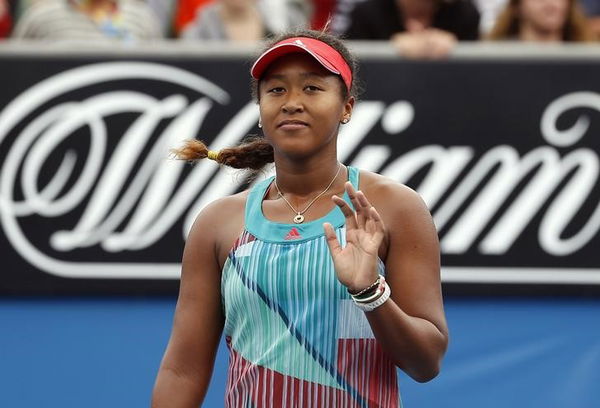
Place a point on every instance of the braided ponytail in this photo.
(253, 153)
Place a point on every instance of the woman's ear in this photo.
(347, 113)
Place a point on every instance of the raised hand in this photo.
(356, 263)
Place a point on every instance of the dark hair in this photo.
(255, 152)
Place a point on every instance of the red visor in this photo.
(322, 52)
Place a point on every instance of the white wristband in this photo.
(369, 307)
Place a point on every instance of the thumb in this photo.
(332, 241)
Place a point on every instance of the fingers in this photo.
(332, 241)
(424, 43)
(376, 226)
(358, 208)
(373, 223)
(347, 211)
(362, 206)
(366, 207)
(364, 216)
(440, 44)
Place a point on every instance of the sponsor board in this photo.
(504, 153)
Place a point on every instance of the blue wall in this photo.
(104, 352)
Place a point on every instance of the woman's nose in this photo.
(293, 103)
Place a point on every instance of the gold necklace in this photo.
(299, 218)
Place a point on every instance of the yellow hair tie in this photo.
(212, 155)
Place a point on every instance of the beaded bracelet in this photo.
(369, 307)
(373, 296)
(369, 288)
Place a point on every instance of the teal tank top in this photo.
(295, 337)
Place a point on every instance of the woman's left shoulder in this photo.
(388, 195)
(408, 224)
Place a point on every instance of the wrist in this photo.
(373, 301)
(360, 289)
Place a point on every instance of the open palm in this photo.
(356, 263)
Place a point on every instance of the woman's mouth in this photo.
(292, 125)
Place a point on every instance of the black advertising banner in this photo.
(504, 152)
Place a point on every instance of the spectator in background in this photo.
(5, 18)
(542, 21)
(489, 11)
(186, 13)
(244, 20)
(592, 10)
(418, 28)
(164, 10)
(286, 15)
(335, 13)
(88, 21)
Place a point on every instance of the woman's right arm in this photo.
(187, 365)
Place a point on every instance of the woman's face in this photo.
(301, 105)
(544, 15)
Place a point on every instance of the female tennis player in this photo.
(323, 279)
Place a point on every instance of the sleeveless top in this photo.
(295, 338)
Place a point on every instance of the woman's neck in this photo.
(531, 34)
(305, 182)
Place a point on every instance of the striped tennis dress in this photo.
(295, 337)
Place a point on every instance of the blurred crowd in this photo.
(416, 28)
